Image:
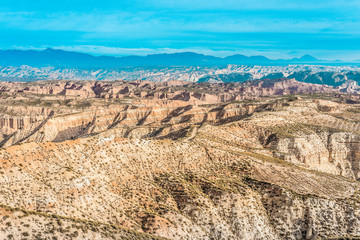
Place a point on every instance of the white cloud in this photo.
(146, 24)
(253, 4)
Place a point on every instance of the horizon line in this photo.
(179, 51)
(151, 54)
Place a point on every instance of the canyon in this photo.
(261, 159)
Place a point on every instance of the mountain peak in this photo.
(49, 50)
(308, 57)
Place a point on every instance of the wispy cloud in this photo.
(252, 5)
(138, 27)
(147, 24)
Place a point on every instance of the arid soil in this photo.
(266, 159)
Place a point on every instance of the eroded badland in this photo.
(272, 159)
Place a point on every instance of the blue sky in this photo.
(274, 28)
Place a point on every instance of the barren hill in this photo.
(137, 160)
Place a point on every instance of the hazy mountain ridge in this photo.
(61, 58)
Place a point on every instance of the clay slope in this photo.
(139, 121)
(59, 110)
(24, 224)
(278, 168)
(171, 90)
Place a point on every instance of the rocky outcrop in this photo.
(304, 217)
(336, 153)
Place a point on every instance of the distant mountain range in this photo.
(67, 59)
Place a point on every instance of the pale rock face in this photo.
(295, 217)
(247, 216)
(229, 216)
(336, 153)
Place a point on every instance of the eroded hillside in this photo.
(278, 167)
(57, 111)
